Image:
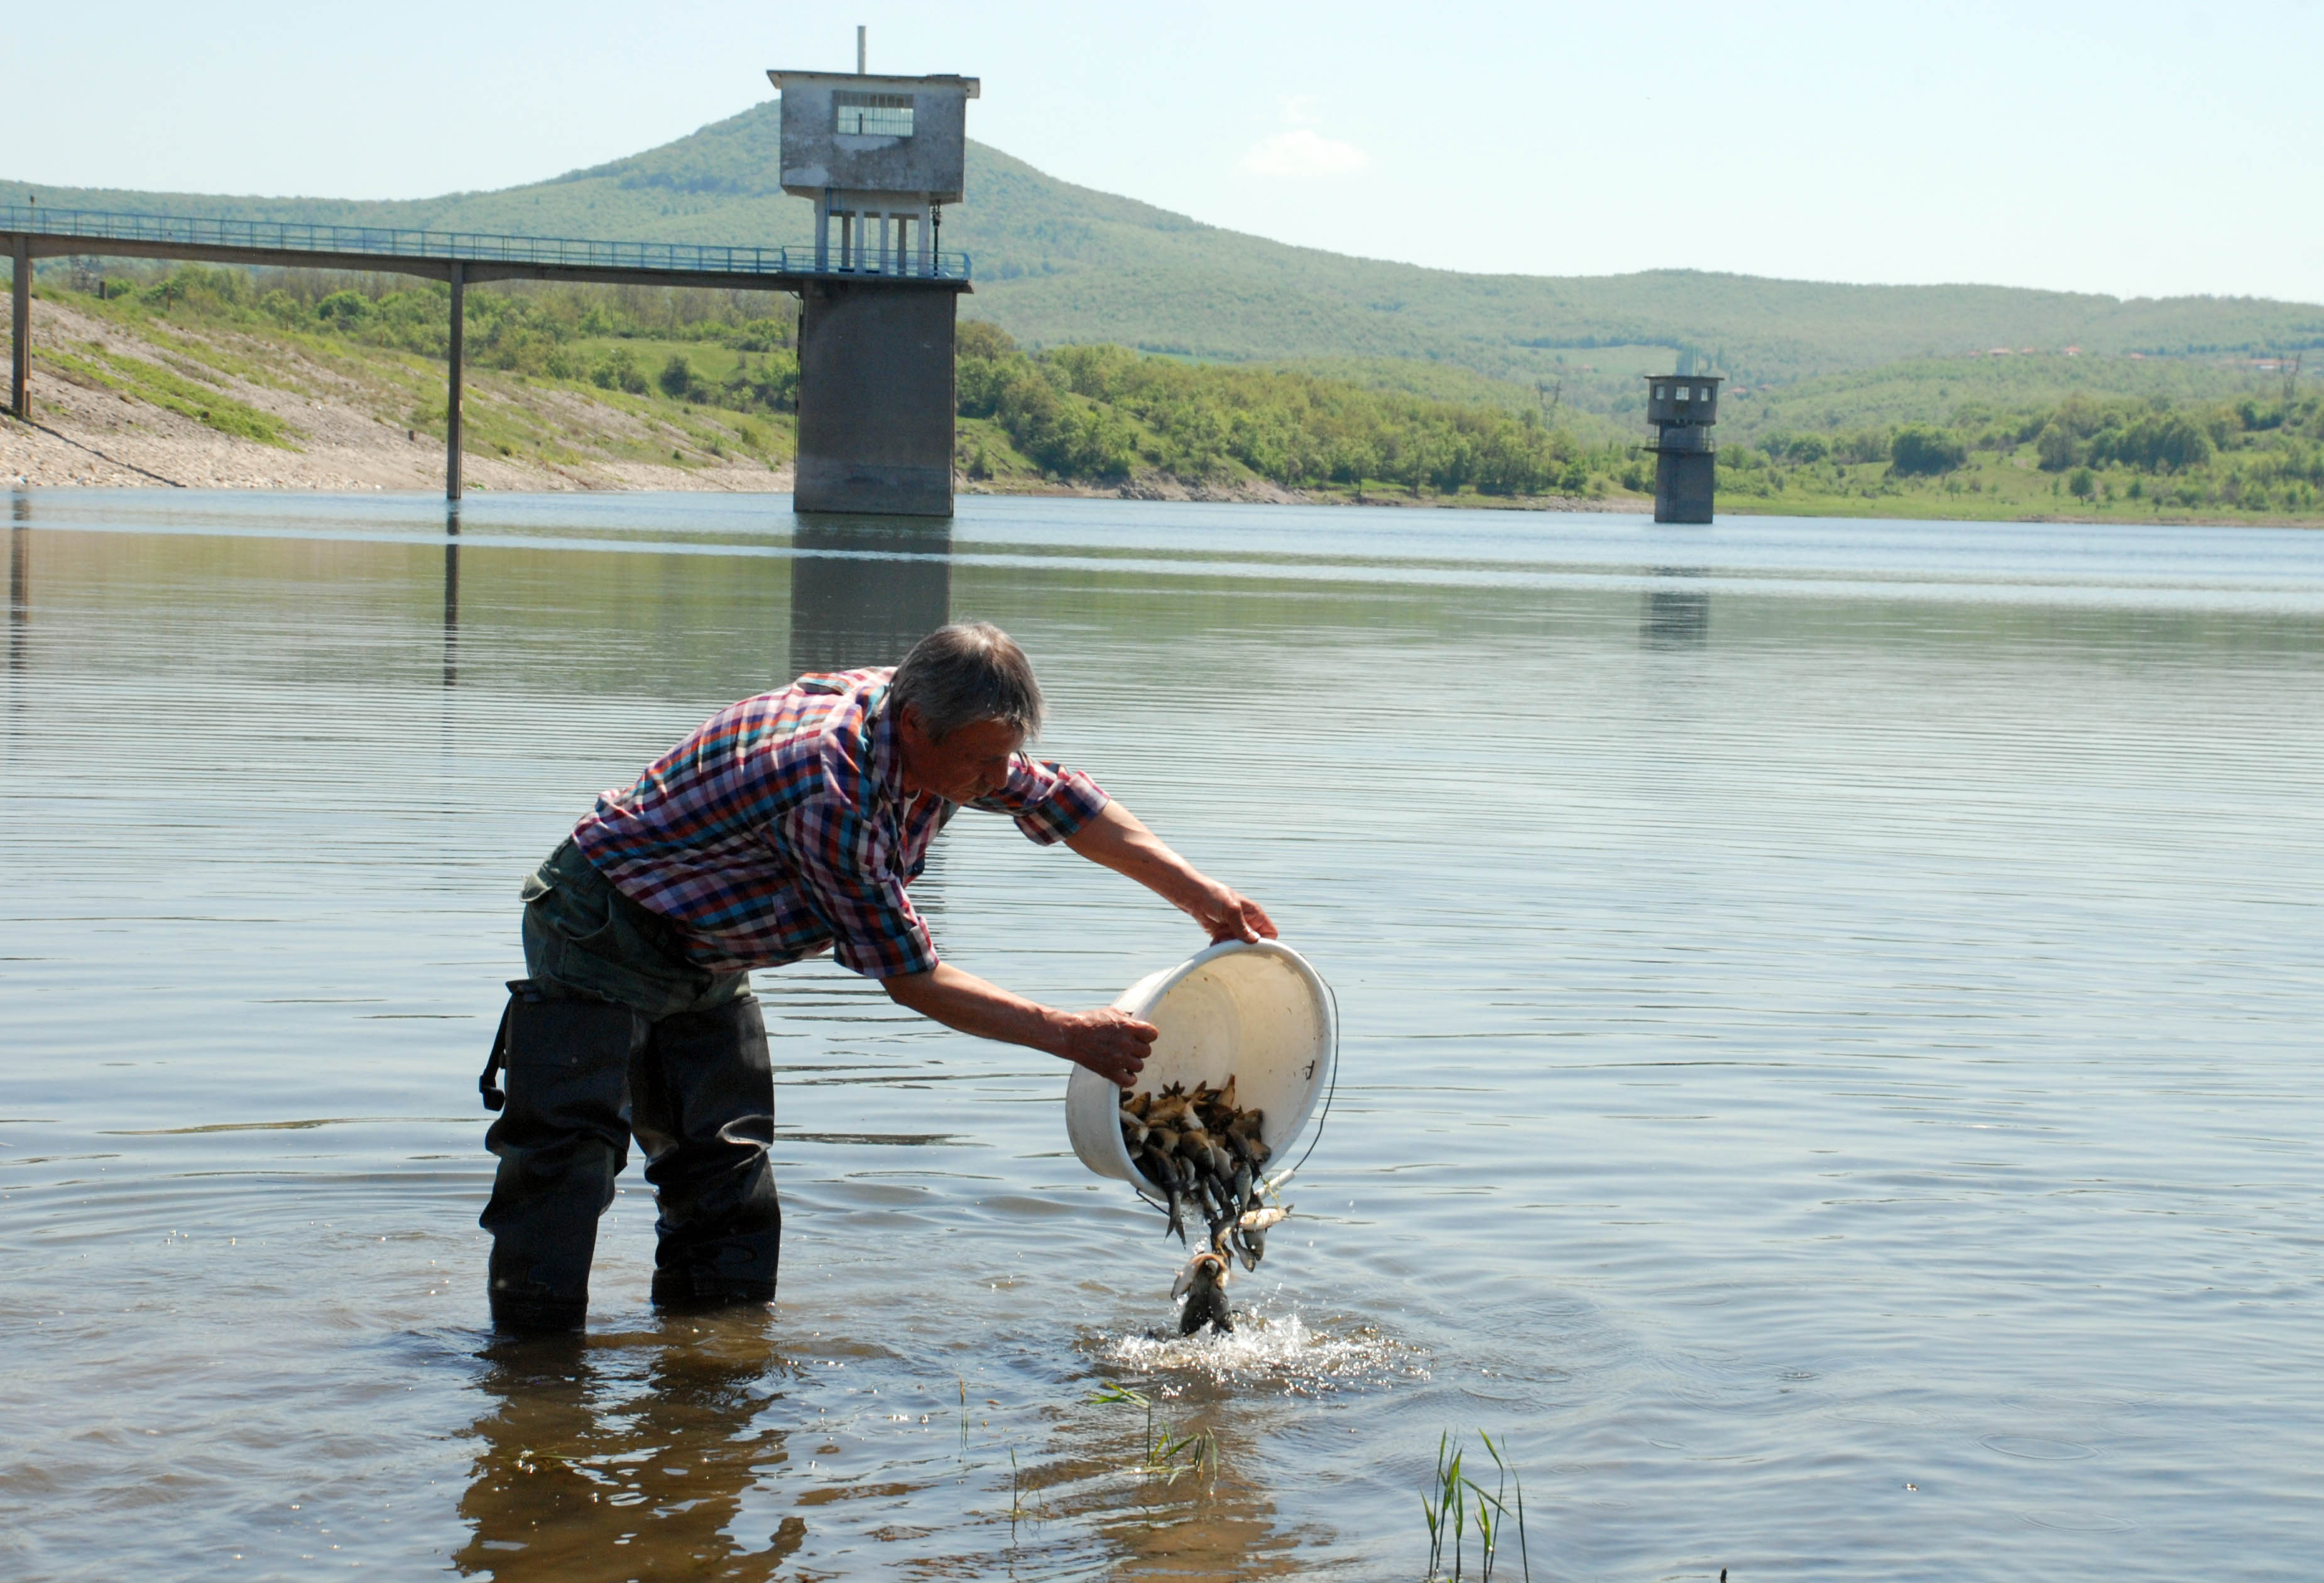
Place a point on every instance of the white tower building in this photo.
(879, 156)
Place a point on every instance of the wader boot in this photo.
(562, 1140)
(702, 1104)
(616, 1034)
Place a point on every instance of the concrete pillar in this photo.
(822, 231)
(452, 390)
(20, 335)
(1683, 482)
(875, 421)
(927, 265)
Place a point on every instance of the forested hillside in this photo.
(1058, 264)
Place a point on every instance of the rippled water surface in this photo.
(1831, 1015)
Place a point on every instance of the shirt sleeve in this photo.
(1049, 804)
(845, 867)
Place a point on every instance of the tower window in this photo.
(1683, 392)
(860, 114)
(1661, 392)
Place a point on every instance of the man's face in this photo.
(973, 762)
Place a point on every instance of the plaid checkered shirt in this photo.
(782, 827)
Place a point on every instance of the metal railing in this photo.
(99, 225)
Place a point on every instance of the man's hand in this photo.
(1113, 1043)
(1230, 916)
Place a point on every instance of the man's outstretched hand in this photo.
(1113, 1043)
(1230, 916)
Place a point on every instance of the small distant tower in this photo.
(1683, 407)
(878, 157)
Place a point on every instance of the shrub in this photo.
(617, 370)
(677, 379)
(343, 310)
(1921, 448)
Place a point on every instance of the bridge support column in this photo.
(1683, 482)
(20, 335)
(452, 391)
(875, 428)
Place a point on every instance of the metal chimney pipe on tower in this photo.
(859, 31)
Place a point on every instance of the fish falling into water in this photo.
(1204, 1153)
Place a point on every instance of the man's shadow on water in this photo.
(626, 1455)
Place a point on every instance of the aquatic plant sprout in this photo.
(1457, 1498)
(1167, 1454)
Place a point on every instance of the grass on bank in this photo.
(96, 367)
(656, 405)
(562, 374)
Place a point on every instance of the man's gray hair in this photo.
(964, 673)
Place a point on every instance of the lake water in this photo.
(1830, 1024)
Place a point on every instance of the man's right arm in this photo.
(1111, 1044)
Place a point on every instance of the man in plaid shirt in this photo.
(788, 825)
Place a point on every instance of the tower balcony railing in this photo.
(97, 226)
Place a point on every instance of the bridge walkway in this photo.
(460, 258)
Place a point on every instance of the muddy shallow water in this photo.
(1829, 1016)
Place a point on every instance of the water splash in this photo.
(1278, 1351)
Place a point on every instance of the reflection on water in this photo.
(865, 589)
(1852, 1107)
(608, 1458)
(451, 595)
(1673, 618)
(20, 592)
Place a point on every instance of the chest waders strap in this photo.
(518, 988)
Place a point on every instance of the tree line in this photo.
(1106, 412)
(2254, 452)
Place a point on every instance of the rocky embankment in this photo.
(113, 408)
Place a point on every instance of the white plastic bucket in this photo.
(1256, 1013)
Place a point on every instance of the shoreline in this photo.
(91, 430)
(105, 474)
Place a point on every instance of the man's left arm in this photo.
(1116, 839)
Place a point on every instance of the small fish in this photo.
(1250, 1246)
(1266, 1219)
(1133, 1132)
(1162, 1171)
(1223, 1207)
(1202, 1284)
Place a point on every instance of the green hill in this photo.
(1056, 263)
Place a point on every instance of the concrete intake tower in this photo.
(1683, 407)
(878, 157)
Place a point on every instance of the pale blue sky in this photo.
(2134, 149)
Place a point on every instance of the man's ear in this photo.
(908, 716)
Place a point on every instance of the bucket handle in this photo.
(1275, 1184)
